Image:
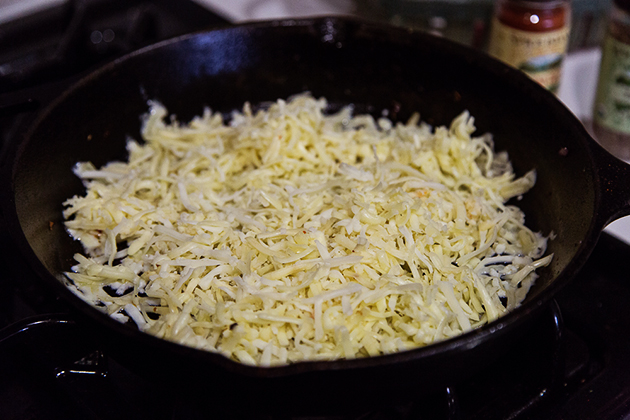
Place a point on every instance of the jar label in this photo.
(538, 54)
(612, 102)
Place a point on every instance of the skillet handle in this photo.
(614, 182)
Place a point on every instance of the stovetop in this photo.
(571, 363)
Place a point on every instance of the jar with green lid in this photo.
(611, 112)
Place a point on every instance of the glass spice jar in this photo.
(611, 111)
(533, 36)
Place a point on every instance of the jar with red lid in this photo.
(533, 36)
(611, 112)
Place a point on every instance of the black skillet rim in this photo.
(455, 345)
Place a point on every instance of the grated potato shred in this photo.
(289, 234)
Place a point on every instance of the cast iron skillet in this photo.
(580, 187)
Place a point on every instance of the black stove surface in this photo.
(78, 35)
(572, 363)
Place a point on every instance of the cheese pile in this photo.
(291, 235)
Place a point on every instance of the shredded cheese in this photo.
(289, 234)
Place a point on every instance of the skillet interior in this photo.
(348, 62)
